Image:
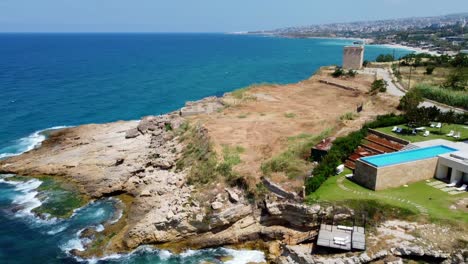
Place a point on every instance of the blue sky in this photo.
(204, 15)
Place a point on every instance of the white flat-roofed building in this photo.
(451, 167)
(445, 160)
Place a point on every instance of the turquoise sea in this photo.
(54, 80)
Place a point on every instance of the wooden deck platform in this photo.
(342, 237)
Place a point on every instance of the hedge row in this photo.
(345, 146)
(444, 95)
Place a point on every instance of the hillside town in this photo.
(441, 34)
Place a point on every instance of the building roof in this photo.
(325, 144)
(460, 156)
(462, 146)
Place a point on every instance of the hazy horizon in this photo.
(204, 16)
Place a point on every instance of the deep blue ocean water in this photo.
(49, 80)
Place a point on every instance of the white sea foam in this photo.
(188, 253)
(74, 244)
(27, 200)
(238, 256)
(77, 210)
(165, 254)
(99, 228)
(117, 216)
(57, 230)
(245, 256)
(121, 257)
(30, 142)
(99, 212)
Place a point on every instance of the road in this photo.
(392, 89)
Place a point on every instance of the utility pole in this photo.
(399, 65)
(409, 80)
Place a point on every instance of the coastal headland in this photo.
(193, 178)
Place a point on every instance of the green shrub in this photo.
(342, 148)
(338, 72)
(385, 58)
(387, 120)
(199, 156)
(430, 70)
(289, 115)
(377, 211)
(410, 100)
(378, 86)
(444, 95)
(293, 162)
(457, 80)
(351, 73)
(348, 116)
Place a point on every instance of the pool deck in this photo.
(349, 237)
(405, 156)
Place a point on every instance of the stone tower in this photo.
(353, 57)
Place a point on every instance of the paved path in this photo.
(421, 209)
(392, 89)
(386, 76)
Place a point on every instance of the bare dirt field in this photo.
(262, 118)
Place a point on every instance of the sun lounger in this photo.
(340, 169)
(420, 128)
(452, 184)
(348, 228)
(433, 125)
(399, 130)
(458, 135)
(451, 134)
(439, 125)
(394, 129)
(426, 134)
(339, 238)
(462, 188)
(340, 243)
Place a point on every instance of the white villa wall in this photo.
(459, 169)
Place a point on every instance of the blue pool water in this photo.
(407, 156)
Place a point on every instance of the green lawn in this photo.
(435, 201)
(436, 133)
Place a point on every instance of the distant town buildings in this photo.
(353, 57)
(439, 35)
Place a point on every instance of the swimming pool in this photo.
(407, 156)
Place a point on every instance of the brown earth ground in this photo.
(267, 115)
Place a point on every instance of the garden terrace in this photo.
(435, 133)
(373, 144)
(418, 199)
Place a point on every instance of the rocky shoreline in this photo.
(139, 159)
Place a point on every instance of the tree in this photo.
(378, 86)
(457, 80)
(410, 101)
(430, 69)
(338, 72)
(417, 61)
(385, 58)
(461, 60)
(351, 73)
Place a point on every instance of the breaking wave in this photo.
(27, 143)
